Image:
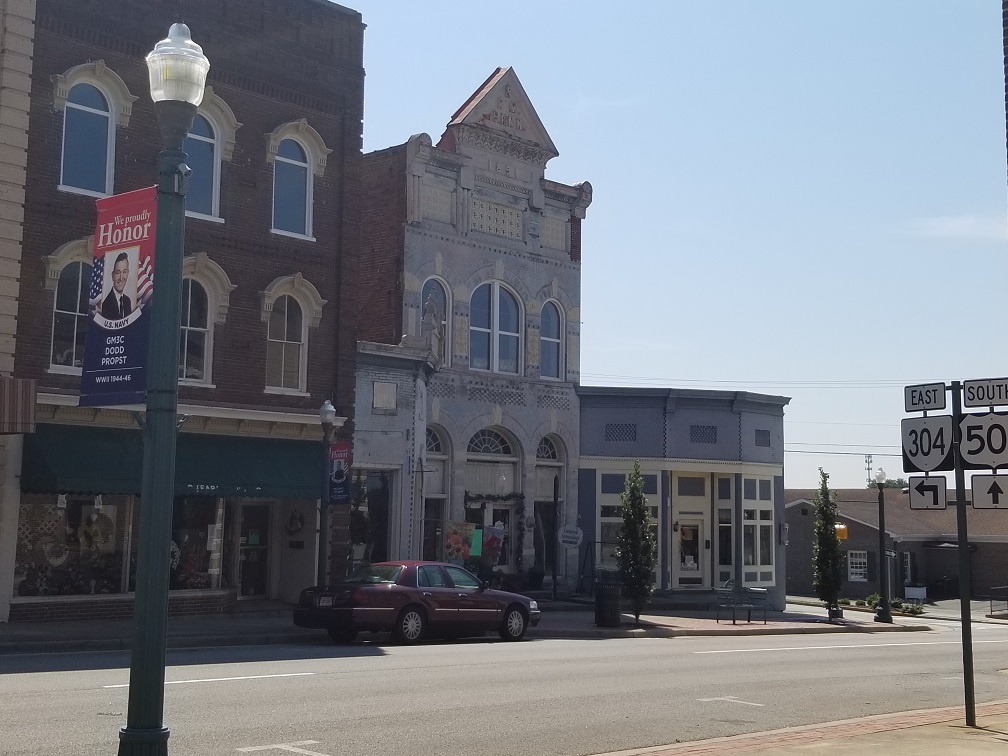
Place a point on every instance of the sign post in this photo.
(964, 564)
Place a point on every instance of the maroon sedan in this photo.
(413, 600)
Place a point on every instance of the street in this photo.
(483, 697)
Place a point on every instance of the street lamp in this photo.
(327, 416)
(882, 612)
(178, 72)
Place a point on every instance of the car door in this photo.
(439, 595)
(478, 608)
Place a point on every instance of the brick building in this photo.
(925, 543)
(264, 285)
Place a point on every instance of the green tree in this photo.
(636, 551)
(900, 483)
(827, 568)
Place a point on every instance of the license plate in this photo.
(325, 601)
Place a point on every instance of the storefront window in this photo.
(71, 545)
(197, 525)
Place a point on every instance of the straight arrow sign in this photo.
(928, 492)
(990, 491)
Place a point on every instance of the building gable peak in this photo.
(499, 117)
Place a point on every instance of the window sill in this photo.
(284, 391)
(63, 370)
(78, 190)
(292, 235)
(190, 383)
(202, 216)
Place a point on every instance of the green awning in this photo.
(77, 459)
(257, 467)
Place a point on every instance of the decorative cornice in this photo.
(503, 145)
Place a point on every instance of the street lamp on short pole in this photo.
(882, 613)
(178, 71)
(327, 416)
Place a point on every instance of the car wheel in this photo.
(514, 625)
(342, 634)
(411, 625)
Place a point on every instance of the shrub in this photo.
(844, 602)
(872, 600)
(896, 603)
(914, 609)
(859, 602)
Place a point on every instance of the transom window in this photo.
(202, 155)
(433, 442)
(285, 345)
(292, 189)
(70, 316)
(546, 450)
(550, 342)
(194, 338)
(488, 441)
(494, 329)
(88, 141)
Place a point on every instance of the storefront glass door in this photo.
(253, 551)
(690, 568)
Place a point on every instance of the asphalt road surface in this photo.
(539, 697)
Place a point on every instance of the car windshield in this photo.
(374, 573)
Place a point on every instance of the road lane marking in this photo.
(221, 679)
(289, 747)
(731, 699)
(851, 645)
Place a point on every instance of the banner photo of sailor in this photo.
(119, 300)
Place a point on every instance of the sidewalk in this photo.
(560, 619)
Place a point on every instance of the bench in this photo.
(736, 598)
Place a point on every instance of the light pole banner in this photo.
(119, 300)
(340, 460)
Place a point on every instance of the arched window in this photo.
(290, 306)
(492, 469)
(94, 101)
(88, 141)
(203, 156)
(434, 292)
(494, 330)
(549, 483)
(285, 345)
(292, 189)
(70, 316)
(551, 342)
(194, 337)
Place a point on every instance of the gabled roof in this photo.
(501, 108)
(861, 505)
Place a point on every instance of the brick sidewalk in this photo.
(929, 731)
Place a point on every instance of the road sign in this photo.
(990, 491)
(926, 396)
(928, 493)
(927, 443)
(985, 393)
(984, 441)
(890, 554)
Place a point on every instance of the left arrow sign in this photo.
(927, 492)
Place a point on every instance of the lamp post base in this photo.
(883, 615)
(142, 742)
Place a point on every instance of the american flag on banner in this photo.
(97, 279)
(145, 282)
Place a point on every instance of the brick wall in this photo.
(305, 62)
(381, 205)
(120, 606)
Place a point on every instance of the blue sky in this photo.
(797, 198)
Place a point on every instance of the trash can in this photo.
(608, 593)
